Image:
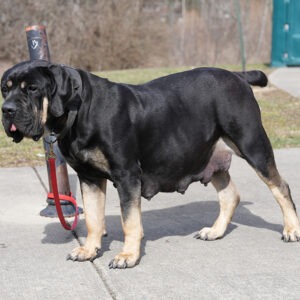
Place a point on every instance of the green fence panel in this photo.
(286, 33)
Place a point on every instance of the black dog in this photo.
(150, 138)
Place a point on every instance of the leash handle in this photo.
(56, 197)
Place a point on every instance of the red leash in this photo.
(57, 196)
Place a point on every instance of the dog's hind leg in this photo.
(255, 147)
(282, 194)
(229, 199)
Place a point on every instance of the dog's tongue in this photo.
(13, 128)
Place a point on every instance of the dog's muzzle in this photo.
(9, 110)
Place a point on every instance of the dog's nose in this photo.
(9, 108)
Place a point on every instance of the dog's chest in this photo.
(94, 158)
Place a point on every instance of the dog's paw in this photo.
(83, 254)
(123, 261)
(208, 234)
(291, 235)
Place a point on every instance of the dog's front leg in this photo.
(93, 196)
(130, 199)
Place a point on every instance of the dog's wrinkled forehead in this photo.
(24, 73)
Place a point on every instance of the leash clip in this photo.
(52, 139)
(51, 152)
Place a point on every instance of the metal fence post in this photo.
(39, 50)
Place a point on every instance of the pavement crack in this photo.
(99, 270)
(40, 178)
(103, 276)
(106, 281)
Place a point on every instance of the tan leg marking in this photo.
(94, 208)
(133, 231)
(281, 193)
(228, 199)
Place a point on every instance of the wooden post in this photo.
(39, 50)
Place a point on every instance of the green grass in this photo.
(26, 153)
(280, 114)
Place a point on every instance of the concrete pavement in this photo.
(287, 79)
(250, 262)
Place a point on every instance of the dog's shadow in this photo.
(181, 220)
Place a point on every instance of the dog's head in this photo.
(36, 95)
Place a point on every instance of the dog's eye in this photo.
(32, 88)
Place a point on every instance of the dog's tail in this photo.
(256, 77)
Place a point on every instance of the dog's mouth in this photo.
(37, 137)
(18, 135)
(13, 132)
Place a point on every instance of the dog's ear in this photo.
(64, 87)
